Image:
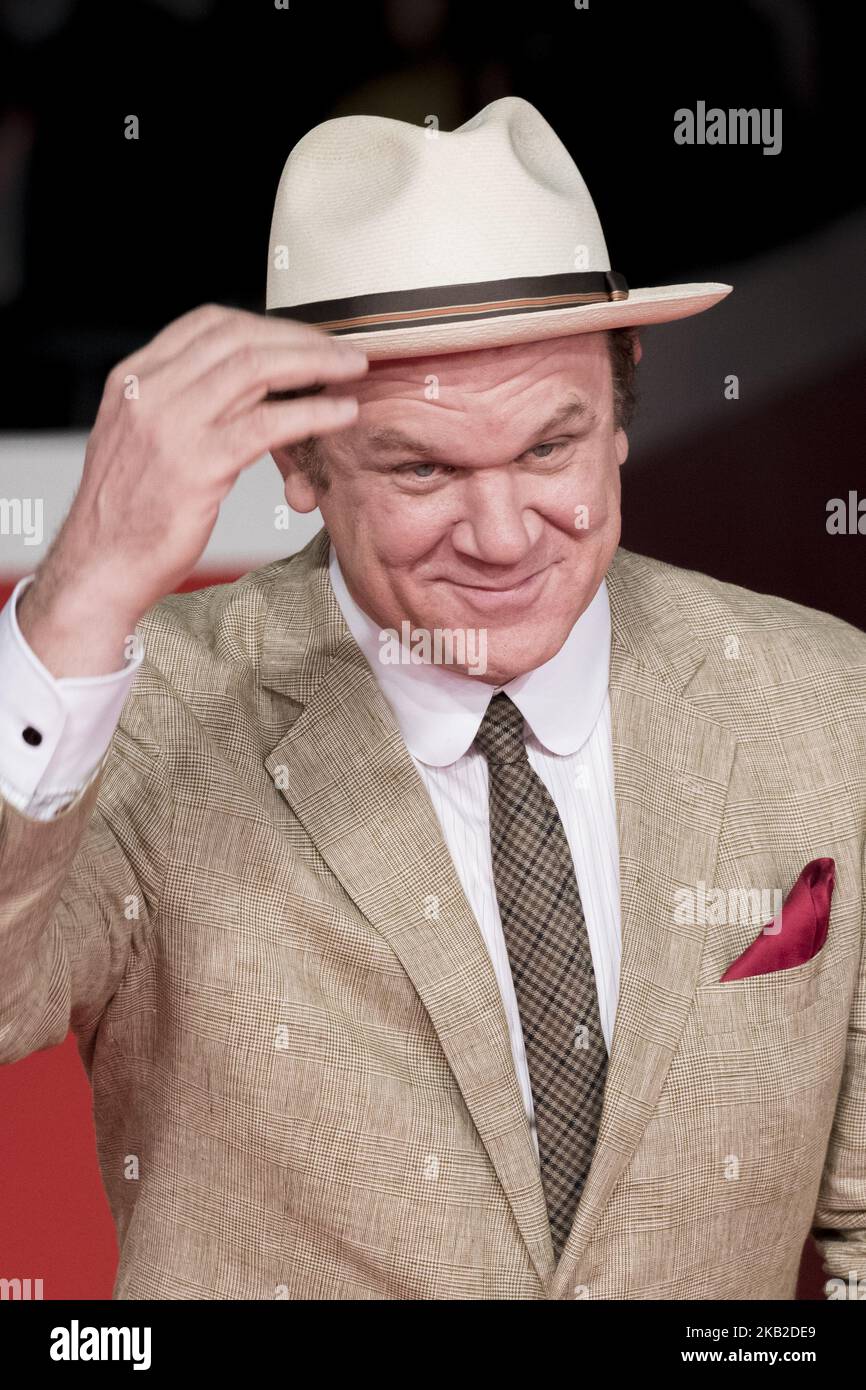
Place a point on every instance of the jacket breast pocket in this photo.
(741, 1004)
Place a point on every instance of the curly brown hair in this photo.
(310, 458)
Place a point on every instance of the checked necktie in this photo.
(551, 964)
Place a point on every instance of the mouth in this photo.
(489, 598)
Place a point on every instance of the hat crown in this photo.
(367, 204)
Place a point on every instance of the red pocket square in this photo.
(798, 932)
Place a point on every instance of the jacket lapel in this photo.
(344, 769)
(672, 766)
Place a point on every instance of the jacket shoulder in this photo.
(189, 637)
(218, 618)
(782, 639)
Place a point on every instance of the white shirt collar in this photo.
(439, 710)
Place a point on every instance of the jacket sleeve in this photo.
(78, 896)
(839, 1228)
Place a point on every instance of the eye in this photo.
(421, 472)
(536, 448)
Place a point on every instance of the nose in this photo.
(498, 528)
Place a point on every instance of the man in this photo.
(417, 900)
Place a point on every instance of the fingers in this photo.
(175, 337)
(269, 426)
(189, 346)
(244, 333)
(217, 365)
(241, 381)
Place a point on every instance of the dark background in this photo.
(104, 240)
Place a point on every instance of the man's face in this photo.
(477, 491)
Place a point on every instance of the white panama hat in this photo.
(408, 240)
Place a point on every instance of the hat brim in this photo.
(654, 304)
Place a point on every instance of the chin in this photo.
(518, 657)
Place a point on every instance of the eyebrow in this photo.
(386, 439)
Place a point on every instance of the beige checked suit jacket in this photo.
(302, 1080)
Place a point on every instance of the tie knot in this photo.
(500, 736)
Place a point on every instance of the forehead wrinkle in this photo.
(385, 438)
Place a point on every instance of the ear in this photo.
(637, 350)
(620, 445)
(300, 493)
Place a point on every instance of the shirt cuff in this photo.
(54, 731)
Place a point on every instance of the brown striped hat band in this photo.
(485, 299)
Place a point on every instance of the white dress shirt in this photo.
(565, 702)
